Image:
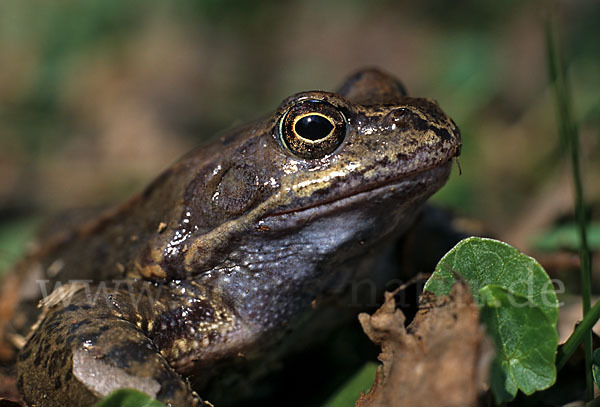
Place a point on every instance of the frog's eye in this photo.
(312, 128)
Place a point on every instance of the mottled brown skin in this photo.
(226, 251)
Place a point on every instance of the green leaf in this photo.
(350, 391)
(518, 307)
(128, 398)
(596, 367)
(525, 340)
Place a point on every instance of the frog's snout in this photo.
(404, 119)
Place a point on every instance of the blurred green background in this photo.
(98, 96)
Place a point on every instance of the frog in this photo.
(231, 251)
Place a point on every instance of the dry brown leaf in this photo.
(441, 359)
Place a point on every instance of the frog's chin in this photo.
(389, 199)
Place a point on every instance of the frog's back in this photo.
(93, 245)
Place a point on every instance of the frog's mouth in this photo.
(394, 193)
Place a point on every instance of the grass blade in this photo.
(570, 138)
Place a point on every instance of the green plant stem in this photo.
(570, 137)
(570, 346)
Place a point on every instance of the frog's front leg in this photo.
(82, 351)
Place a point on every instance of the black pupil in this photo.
(313, 127)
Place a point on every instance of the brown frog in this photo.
(228, 251)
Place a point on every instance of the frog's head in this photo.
(368, 146)
(325, 173)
